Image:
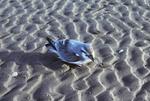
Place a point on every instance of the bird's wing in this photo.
(74, 45)
(63, 48)
(68, 56)
(67, 50)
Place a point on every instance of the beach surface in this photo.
(118, 30)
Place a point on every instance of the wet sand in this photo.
(118, 30)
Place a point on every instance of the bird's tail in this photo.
(50, 43)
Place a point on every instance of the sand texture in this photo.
(118, 30)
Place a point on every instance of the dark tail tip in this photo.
(50, 42)
(47, 45)
(48, 39)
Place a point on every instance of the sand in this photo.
(118, 30)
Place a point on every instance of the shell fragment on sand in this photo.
(14, 74)
(120, 51)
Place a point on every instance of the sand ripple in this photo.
(117, 29)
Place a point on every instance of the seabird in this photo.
(71, 51)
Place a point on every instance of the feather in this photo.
(70, 51)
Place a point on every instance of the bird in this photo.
(70, 50)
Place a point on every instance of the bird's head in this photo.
(86, 52)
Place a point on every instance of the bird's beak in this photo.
(91, 57)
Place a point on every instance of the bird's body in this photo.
(71, 51)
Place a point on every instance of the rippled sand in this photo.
(119, 31)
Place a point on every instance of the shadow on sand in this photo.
(48, 60)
